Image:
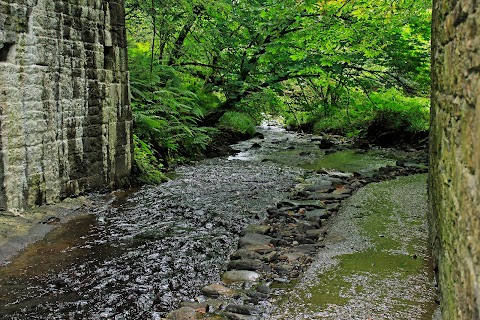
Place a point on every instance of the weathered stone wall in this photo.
(455, 155)
(65, 114)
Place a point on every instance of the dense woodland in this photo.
(201, 66)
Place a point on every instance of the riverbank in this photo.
(375, 263)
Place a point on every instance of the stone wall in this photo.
(455, 156)
(65, 113)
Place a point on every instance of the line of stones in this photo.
(280, 248)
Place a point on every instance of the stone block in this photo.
(56, 114)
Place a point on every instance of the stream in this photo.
(138, 256)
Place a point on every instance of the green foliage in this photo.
(414, 111)
(166, 109)
(390, 107)
(146, 165)
(241, 48)
(327, 65)
(238, 122)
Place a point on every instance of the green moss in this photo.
(349, 161)
(346, 161)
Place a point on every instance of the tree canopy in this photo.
(252, 56)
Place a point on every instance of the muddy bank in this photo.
(20, 229)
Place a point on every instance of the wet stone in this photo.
(284, 269)
(236, 316)
(264, 289)
(240, 276)
(294, 256)
(282, 242)
(256, 228)
(317, 214)
(261, 248)
(322, 185)
(315, 234)
(246, 254)
(215, 290)
(342, 191)
(281, 280)
(194, 305)
(254, 239)
(246, 264)
(304, 240)
(304, 248)
(327, 196)
(184, 313)
(241, 309)
(295, 205)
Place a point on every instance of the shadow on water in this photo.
(68, 244)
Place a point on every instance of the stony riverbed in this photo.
(141, 255)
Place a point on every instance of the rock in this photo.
(342, 190)
(258, 135)
(256, 228)
(294, 256)
(216, 290)
(304, 153)
(326, 143)
(281, 242)
(335, 179)
(333, 207)
(283, 269)
(246, 264)
(289, 148)
(271, 256)
(236, 316)
(256, 297)
(315, 234)
(304, 248)
(240, 276)
(361, 144)
(328, 196)
(51, 220)
(255, 146)
(357, 184)
(300, 204)
(264, 289)
(317, 214)
(304, 240)
(194, 305)
(322, 185)
(254, 239)
(184, 313)
(241, 309)
(259, 248)
(246, 254)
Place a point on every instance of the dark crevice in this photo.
(109, 58)
(5, 52)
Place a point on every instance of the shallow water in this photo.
(302, 150)
(141, 257)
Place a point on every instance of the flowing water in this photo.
(138, 257)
